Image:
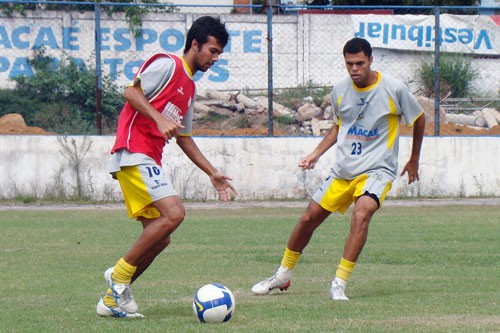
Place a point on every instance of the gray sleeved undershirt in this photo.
(155, 75)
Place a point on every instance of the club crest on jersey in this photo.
(172, 111)
(362, 101)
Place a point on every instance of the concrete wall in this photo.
(262, 168)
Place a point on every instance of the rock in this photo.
(325, 124)
(490, 117)
(327, 101)
(200, 107)
(307, 111)
(278, 109)
(427, 105)
(247, 101)
(464, 119)
(328, 112)
(214, 94)
(315, 127)
(308, 99)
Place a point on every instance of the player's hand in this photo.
(308, 162)
(412, 169)
(168, 128)
(224, 189)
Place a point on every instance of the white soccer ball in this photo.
(213, 303)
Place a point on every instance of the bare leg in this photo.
(150, 257)
(156, 232)
(363, 211)
(309, 221)
(313, 216)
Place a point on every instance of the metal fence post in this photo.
(437, 45)
(270, 69)
(98, 69)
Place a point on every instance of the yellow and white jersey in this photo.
(369, 120)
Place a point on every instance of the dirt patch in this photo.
(444, 130)
(237, 132)
(13, 123)
(453, 129)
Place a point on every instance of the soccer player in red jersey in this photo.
(158, 108)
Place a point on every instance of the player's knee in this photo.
(360, 222)
(361, 217)
(308, 222)
(172, 219)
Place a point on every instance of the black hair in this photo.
(357, 45)
(206, 26)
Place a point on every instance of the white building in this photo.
(198, 6)
(211, 6)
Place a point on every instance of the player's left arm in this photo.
(218, 179)
(411, 166)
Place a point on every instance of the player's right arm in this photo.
(135, 96)
(309, 162)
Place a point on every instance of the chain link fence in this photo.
(64, 70)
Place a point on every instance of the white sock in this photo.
(283, 273)
(340, 282)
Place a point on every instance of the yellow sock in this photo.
(345, 269)
(290, 258)
(123, 272)
(109, 299)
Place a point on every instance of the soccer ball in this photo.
(213, 303)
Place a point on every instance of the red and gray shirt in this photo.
(167, 83)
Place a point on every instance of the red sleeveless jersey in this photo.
(139, 134)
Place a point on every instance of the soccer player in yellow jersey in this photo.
(369, 106)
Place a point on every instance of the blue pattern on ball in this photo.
(225, 300)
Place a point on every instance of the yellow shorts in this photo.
(338, 194)
(141, 186)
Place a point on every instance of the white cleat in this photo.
(105, 311)
(266, 286)
(337, 292)
(121, 293)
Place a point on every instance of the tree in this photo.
(60, 97)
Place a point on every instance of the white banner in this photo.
(458, 33)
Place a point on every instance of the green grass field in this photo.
(424, 269)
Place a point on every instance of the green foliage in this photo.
(259, 10)
(60, 97)
(134, 14)
(285, 120)
(292, 97)
(242, 121)
(213, 116)
(26, 199)
(456, 75)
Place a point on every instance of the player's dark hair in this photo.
(357, 45)
(206, 26)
